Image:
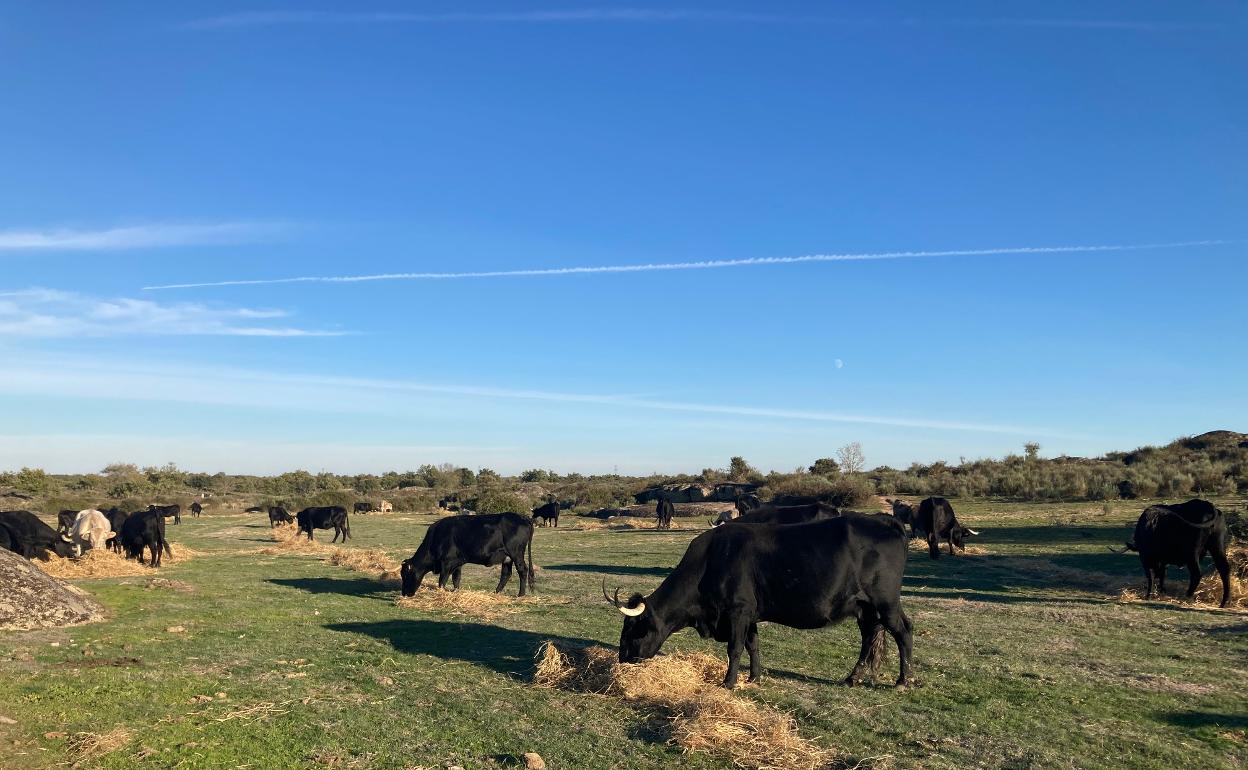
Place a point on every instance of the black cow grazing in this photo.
(486, 539)
(733, 577)
(174, 510)
(116, 518)
(196, 509)
(788, 514)
(663, 513)
(144, 529)
(65, 521)
(547, 513)
(935, 517)
(28, 535)
(747, 503)
(279, 515)
(1182, 534)
(366, 508)
(325, 517)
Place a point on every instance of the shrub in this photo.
(501, 502)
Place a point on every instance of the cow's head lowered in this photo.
(407, 571)
(959, 533)
(641, 637)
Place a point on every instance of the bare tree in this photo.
(851, 458)
(1032, 450)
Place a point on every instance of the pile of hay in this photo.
(466, 603)
(96, 563)
(291, 540)
(373, 561)
(704, 717)
(87, 747)
(1210, 589)
(919, 545)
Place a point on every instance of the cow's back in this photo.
(1172, 533)
(788, 514)
(935, 515)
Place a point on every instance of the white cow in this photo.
(724, 517)
(91, 528)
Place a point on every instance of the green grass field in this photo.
(288, 661)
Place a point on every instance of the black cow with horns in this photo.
(733, 577)
(485, 539)
(935, 517)
(788, 514)
(547, 513)
(1182, 534)
(323, 517)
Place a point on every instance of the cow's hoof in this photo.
(851, 681)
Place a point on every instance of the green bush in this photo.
(502, 502)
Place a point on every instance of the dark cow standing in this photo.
(486, 539)
(788, 514)
(904, 512)
(733, 577)
(144, 529)
(935, 517)
(365, 508)
(325, 517)
(746, 503)
(28, 535)
(65, 521)
(116, 518)
(663, 512)
(196, 509)
(279, 515)
(1182, 534)
(547, 513)
(174, 510)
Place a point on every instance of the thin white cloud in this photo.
(205, 385)
(572, 16)
(53, 313)
(657, 16)
(147, 236)
(701, 265)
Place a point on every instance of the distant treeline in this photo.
(1211, 464)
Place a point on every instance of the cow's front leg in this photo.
(443, 574)
(933, 545)
(1161, 579)
(455, 576)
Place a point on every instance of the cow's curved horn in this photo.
(632, 612)
(66, 538)
(614, 602)
(973, 532)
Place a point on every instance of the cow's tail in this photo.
(529, 559)
(875, 655)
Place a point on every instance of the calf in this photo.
(196, 509)
(91, 529)
(935, 517)
(1182, 534)
(733, 577)
(547, 513)
(903, 512)
(487, 539)
(789, 514)
(29, 536)
(144, 529)
(325, 517)
(663, 513)
(279, 515)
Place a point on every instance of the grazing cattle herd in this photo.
(803, 566)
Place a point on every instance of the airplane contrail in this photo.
(701, 265)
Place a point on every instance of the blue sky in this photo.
(210, 143)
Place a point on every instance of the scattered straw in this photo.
(96, 563)
(1209, 592)
(919, 545)
(704, 717)
(476, 604)
(370, 560)
(255, 712)
(88, 746)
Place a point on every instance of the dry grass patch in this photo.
(704, 717)
(475, 604)
(89, 746)
(1209, 592)
(373, 561)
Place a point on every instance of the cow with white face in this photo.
(91, 529)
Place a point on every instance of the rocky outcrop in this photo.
(30, 599)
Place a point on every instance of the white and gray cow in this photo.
(91, 529)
